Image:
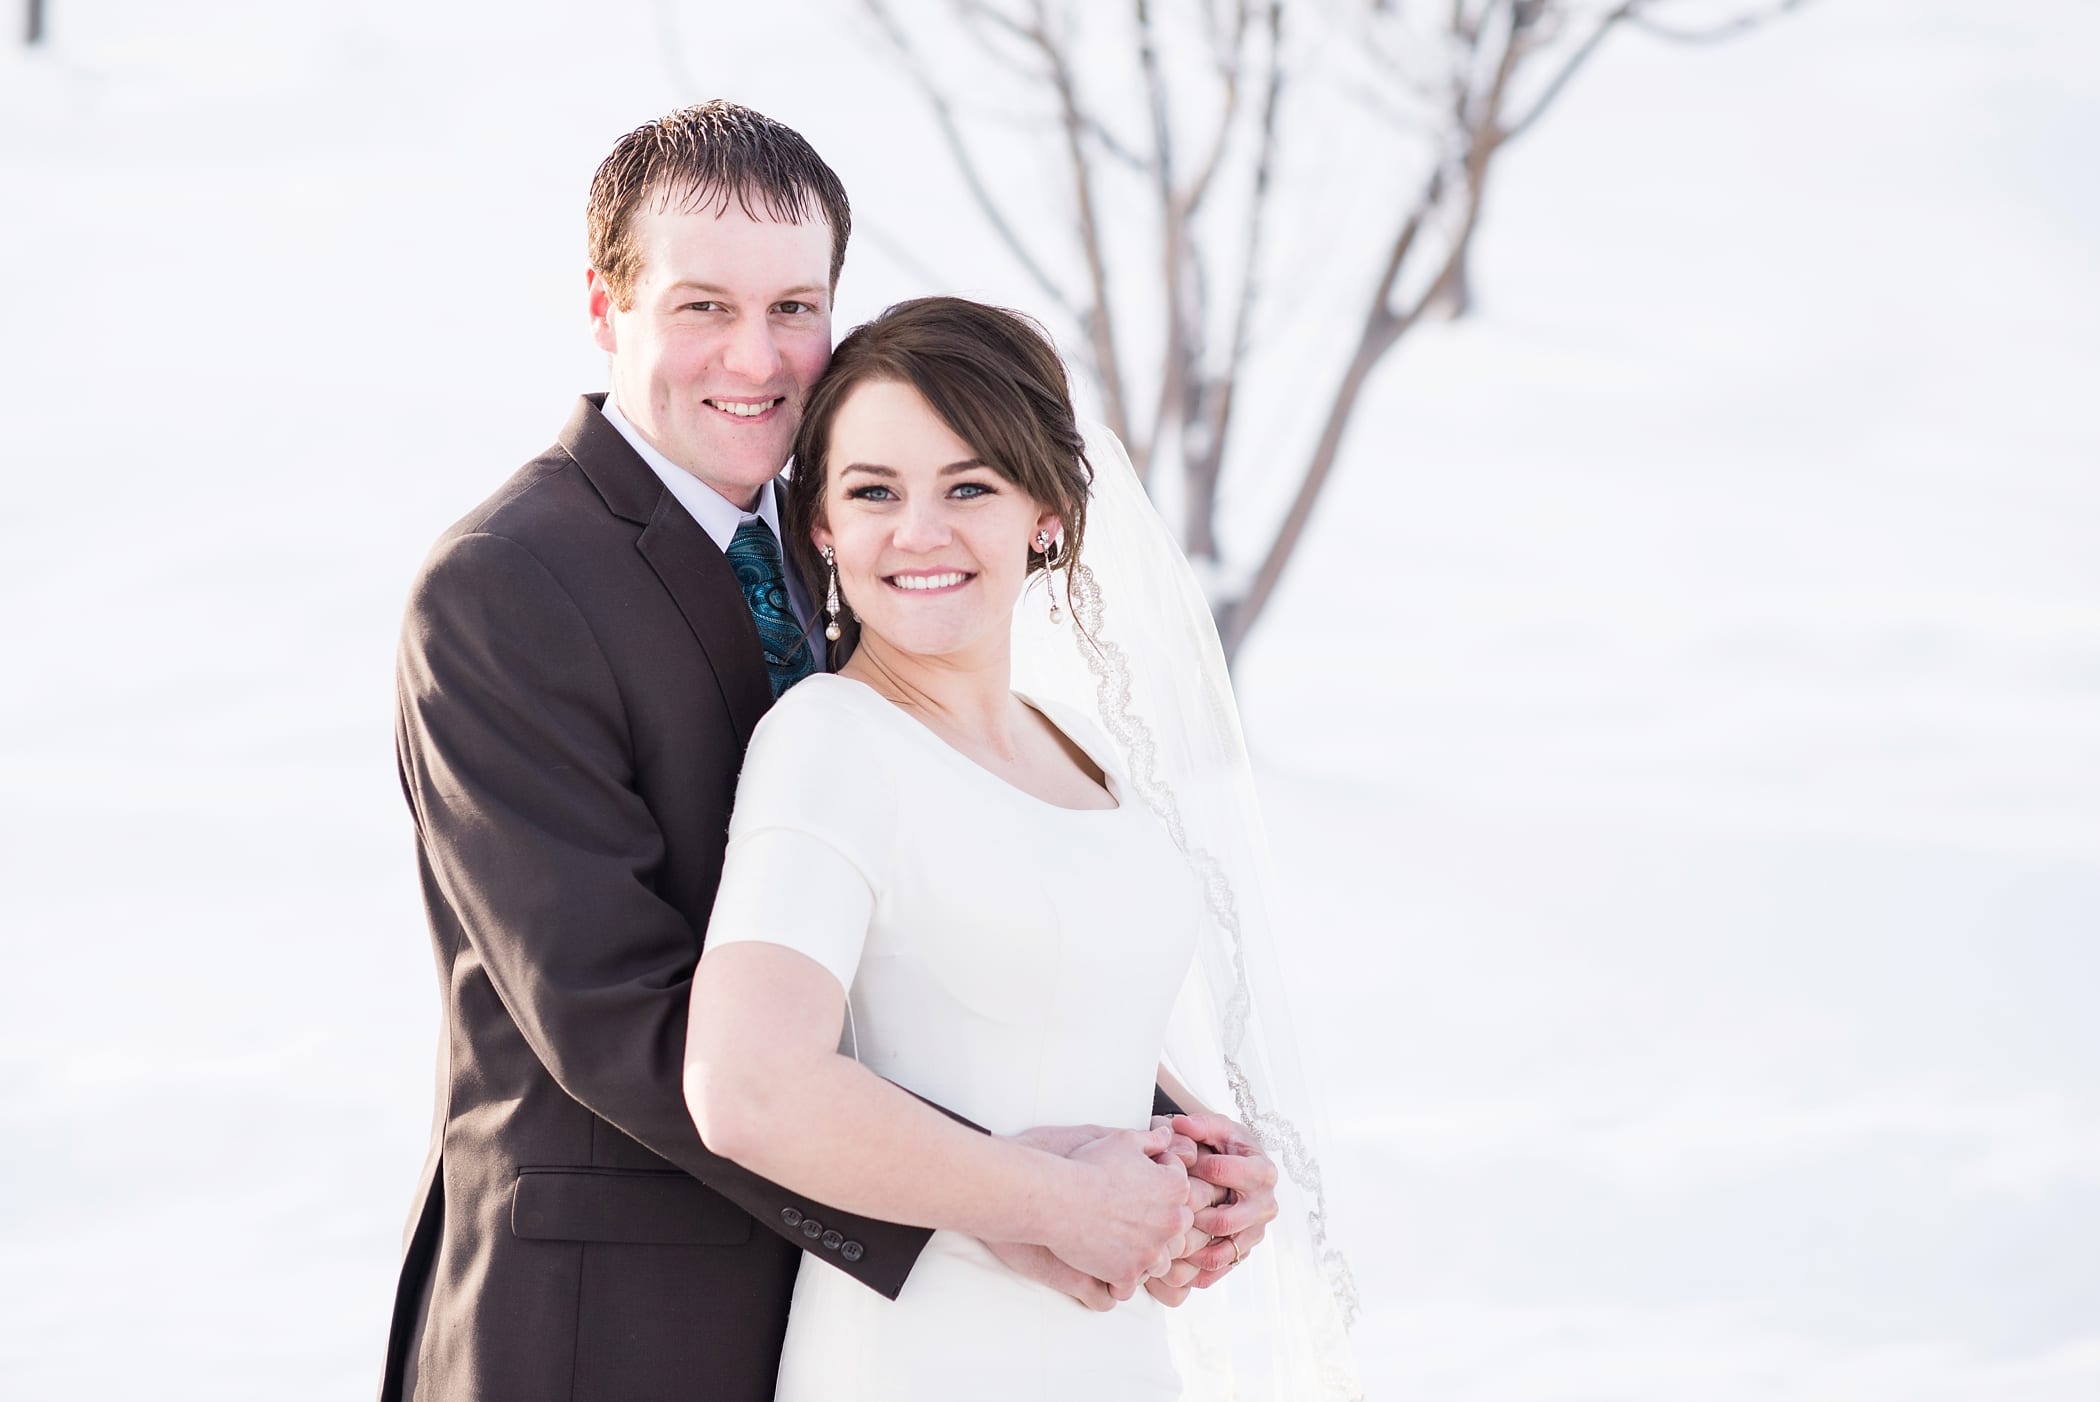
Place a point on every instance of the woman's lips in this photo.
(929, 581)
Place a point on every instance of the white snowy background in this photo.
(1681, 730)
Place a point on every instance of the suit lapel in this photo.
(704, 587)
(687, 562)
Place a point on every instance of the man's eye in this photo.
(795, 308)
(701, 307)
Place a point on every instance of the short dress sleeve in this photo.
(810, 838)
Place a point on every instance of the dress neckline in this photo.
(1109, 781)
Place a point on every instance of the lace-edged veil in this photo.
(1140, 654)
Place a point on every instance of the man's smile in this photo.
(745, 408)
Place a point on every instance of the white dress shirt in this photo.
(718, 515)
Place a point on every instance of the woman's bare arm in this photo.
(768, 1088)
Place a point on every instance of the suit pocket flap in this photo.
(626, 1205)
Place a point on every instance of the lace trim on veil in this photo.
(1280, 1138)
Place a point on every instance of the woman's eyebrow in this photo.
(876, 469)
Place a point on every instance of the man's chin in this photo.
(737, 467)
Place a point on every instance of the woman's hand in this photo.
(1229, 1159)
(1181, 1146)
(1172, 1286)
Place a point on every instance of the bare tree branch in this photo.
(1568, 69)
(1098, 320)
(1204, 460)
(1728, 29)
(1371, 100)
(999, 19)
(1174, 366)
(1404, 241)
(966, 164)
(1113, 145)
(1381, 328)
(1479, 115)
(1228, 54)
(899, 252)
(1461, 82)
(1483, 137)
(978, 16)
(1256, 225)
(1635, 13)
(1372, 344)
(981, 21)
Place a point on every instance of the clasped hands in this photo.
(1171, 1209)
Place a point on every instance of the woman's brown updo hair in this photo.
(992, 376)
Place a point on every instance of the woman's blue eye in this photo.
(974, 489)
(867, 493)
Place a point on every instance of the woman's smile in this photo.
(922, 582)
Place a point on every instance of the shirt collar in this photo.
(716, 514)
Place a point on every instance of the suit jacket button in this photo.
(832, 1240)
(790, 1216)
(851, 1250)
(812, 1228)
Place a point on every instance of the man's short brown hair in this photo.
(703, 157)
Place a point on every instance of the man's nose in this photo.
(751, 354)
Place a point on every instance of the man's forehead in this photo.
(753, 202)
(732, 226)
(731, 251)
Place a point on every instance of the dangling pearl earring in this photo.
(1047, 548)
(831, 594)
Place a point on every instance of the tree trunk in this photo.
(1199, 526)
(1456, 298)
(1381, 329)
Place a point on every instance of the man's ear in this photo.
(601, 302)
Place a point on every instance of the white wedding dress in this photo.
(1013, 961)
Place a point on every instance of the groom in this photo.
(584, 658)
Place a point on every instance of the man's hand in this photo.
(1129, 1212)
(1061, 1140)
(1173, 1287)
(1228, 1158)
(1038, 1263)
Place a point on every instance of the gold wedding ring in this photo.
(1235, 1249)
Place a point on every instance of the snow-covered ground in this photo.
(1682, 731)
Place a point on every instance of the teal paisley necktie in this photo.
(755, 556)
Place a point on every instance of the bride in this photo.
(938, 886)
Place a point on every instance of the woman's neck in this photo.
(965, 695)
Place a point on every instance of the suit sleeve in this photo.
(517, 763)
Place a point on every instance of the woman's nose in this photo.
(922, 525)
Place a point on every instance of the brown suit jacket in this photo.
(578, 679)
